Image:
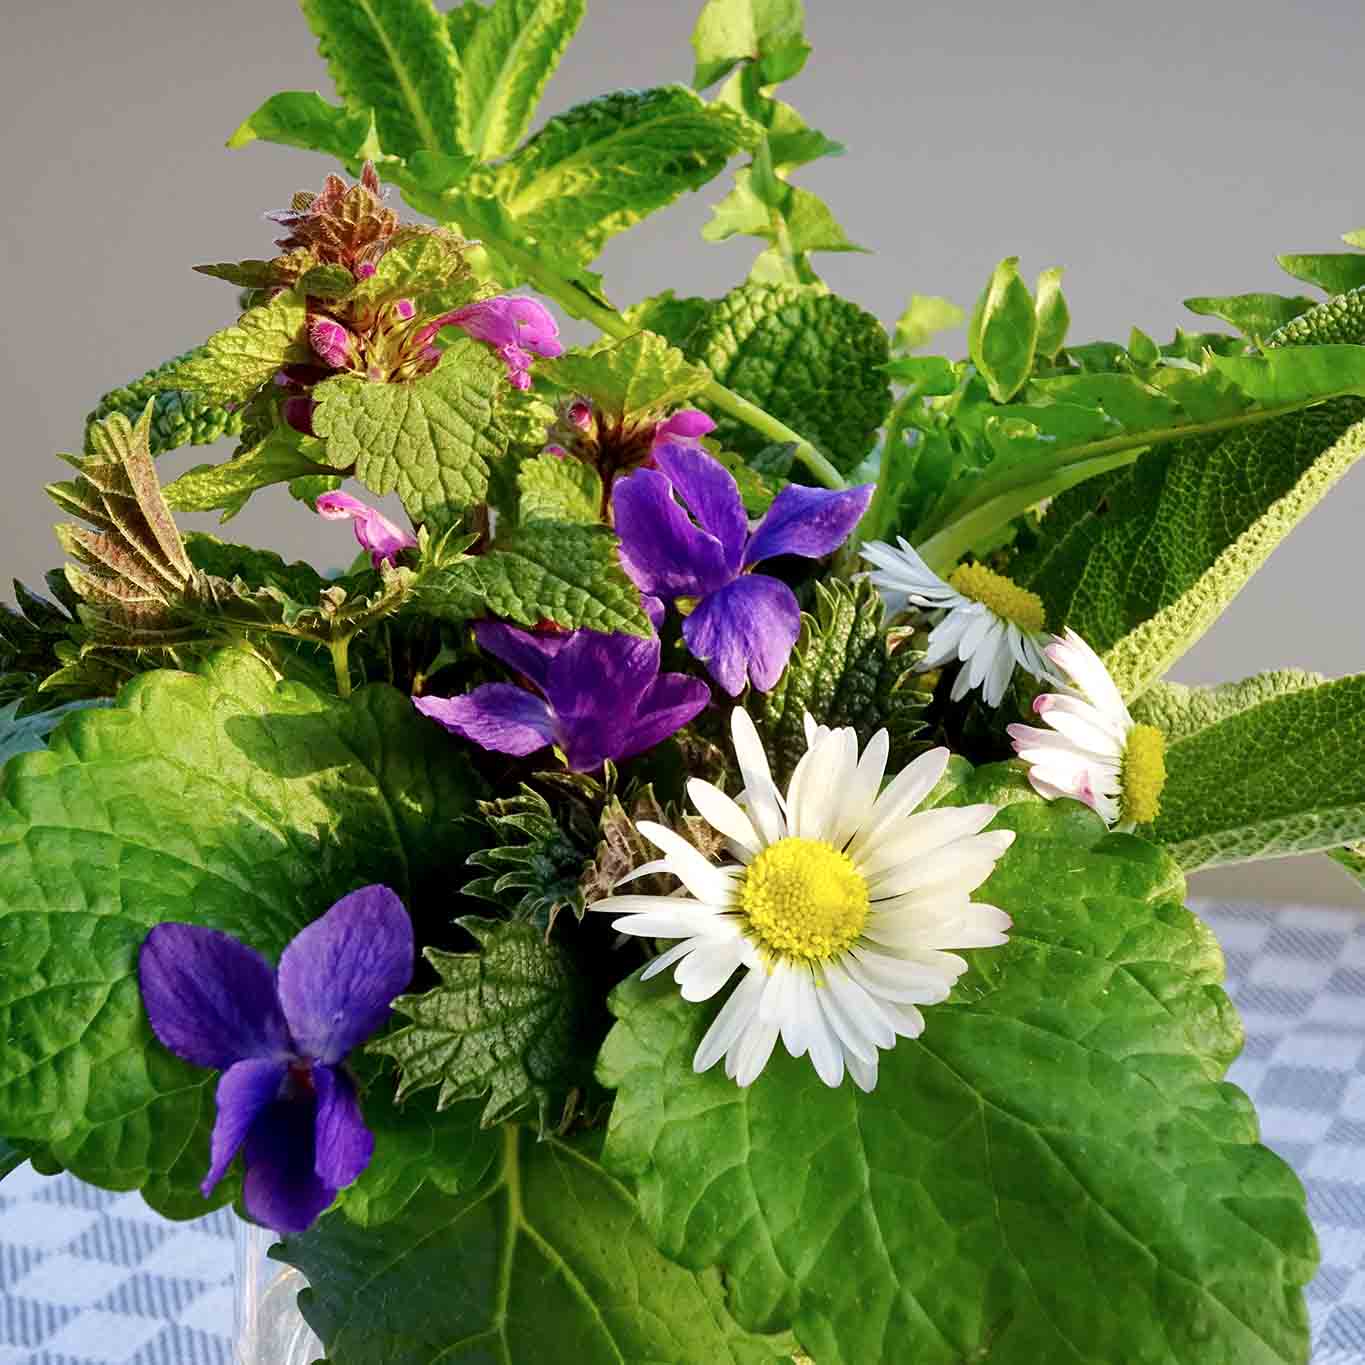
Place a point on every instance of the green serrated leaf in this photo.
(433, 440)
(302, 118)
(925, 316)
(1337, 272)
(559, 489)
(546, 1260)
(232, 364)
(638, 375)
(842, 672)
(1258, 769)
(807, 357)
(507, 52)
(1003, 332)
(1052, 1172)
(220, 799)
(1254, 315)
(769, 33)
(276, 460)
(429, 265)
(672, 318)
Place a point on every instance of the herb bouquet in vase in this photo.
(706, 883)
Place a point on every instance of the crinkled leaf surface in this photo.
(559, 489)
(545, 1260)
(432, 440)
(1259, 769)
(1052, 1172)
(640, 373)
(218, 799)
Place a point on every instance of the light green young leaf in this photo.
(791, 141)
(1336, 272)
(1052, 1172)
(1254, 315)
(769, 33)
(433, 440)
(641, 374)
(220, 799)
(232, 364)
(394, 57)
(1259, 769)
(507, 52)
(228, 485)
(1003, 331)
(559, 489)
(925, 316)
(1054, 317)
(522, 1277)
(1296, 374)
(302, 118)
(421, 265)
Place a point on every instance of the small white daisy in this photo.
(988, 622)
(1094, 751)
(840, 904)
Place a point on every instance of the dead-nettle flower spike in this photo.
(345, 224)
(331, 342)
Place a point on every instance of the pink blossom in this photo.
(375, 532)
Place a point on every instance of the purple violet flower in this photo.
(515, 326)
(744, 624)
(375, 532)
(280, 1038)
(603, 696)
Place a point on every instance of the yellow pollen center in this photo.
(1143, 773)
(996, 592)
(804, 899)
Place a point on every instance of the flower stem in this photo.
(340, 646)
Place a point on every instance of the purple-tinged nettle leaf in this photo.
(374, 531)
(684, 533)
(280, 1039)
(602, 696)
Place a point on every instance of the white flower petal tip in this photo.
(842, 917)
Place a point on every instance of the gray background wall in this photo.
(1156, 151)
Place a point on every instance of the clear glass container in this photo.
(269, 1329)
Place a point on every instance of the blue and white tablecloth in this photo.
(90, 1278)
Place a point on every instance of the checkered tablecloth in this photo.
(90, 1278)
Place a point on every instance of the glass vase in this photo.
(269, 1328)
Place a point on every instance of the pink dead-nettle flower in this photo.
(685, 428)
(331, 342)
(375, 532)
(515, 326)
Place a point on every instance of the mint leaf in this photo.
(640, 374)
(507, 52)
(302, 118)
(807, 357)
(222, 799)
(1258, 769)
(232, 364)
(179, 418)
(1003, 332)
(769, 33)
(1254, 315)
(394, 57)
(1336, 272)
(555, 488)
(432, 440)
(1052, 1172)
(546, 1260)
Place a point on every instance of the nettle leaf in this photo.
(232, 364)
(507, 52)
(1254, 315)
(1004, 331)
(277, 459)
(302, 118)
(519, 1022)
(639, 374)
(555, 488)
(1259, 769)
(546, 1260)
(925, 316)
(1052, 1172)
(842, 672)
(432, 440)
(394, 57)
(179, 418)
(1336, 272)
(769, 33)
(222, 799)
(808, 357)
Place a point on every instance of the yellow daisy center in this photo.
(804, 899)
(1143, 773)
(999, 594)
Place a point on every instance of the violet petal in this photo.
(711, 495)
(209, 998)
(808, 521)
(498, 716)
(595, 687)
(282, 1189)
(671, 701)
(245, 1090)
(344, 1145)
(529, 653)
(746, 630)
(338, 975)
(661, 550)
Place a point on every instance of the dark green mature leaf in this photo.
(1339, 319)
(11, 1158)
(1259, 769)
(672, 318)
(640, 374)
(842, 672)
(546, 1260)
(769, 33)
(433, 440)
(518, 1022)
(179, 418)
(1052, 1172)
(394, 57)
(507, 51)
(1004, 331)
(220, 799)
(1337, 272)
(807, 357)
(1254, 315)
(302, 118)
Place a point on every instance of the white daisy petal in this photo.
(707, 882)
(722, 814)
(707, 969)
(760, 793)
(920, 833)
(750, 1054)
(864, 1074)
(855, 804)
(903, 793)
(734, 1017)
(667, 958)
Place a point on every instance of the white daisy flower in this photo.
(1094, 751)
(986, 621)
(839, 905)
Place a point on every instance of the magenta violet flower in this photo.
(375, 532)
(280, 1038)
(602, 696)
(744, 624)
(515, 326)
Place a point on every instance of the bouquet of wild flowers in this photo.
(706, 883)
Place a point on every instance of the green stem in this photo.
(340, 646)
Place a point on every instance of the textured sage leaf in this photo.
(807, 357)
(1003, 331)
(220, 799)
(395, 57)
(559, 489)
(433, 440)
(302, 118)
(1336, 272)
(1051, 1172)
(545, 1260)
(1259, 769)
(507, 52)
(1254, 315)
(642, 373)
(769, 33)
